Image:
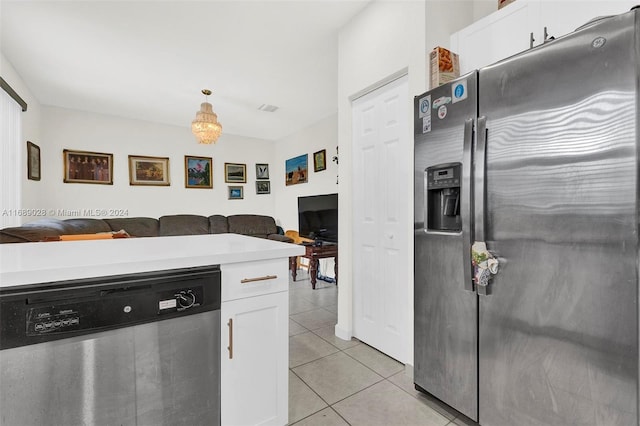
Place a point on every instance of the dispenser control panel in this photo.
(443, 197)
(443, 178)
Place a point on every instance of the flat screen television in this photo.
(318, 217)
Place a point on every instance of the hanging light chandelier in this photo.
(205, 126)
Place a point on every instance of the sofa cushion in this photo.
(7, 237)
(183, 224)
(252, 225)
(27, 234)
(85, 226)
(281, 238)
(218, 224)
(33, 232)
(135, 226)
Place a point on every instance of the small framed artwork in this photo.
(152, 171)
(296, 170)
(320, 160)
(198, 172)
(235, 173)
(263, 187)
(87, 167)
(262, 171)
(33, 161)
(236, 193)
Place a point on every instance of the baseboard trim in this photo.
(408, 370)
(342, 333)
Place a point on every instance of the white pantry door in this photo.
(381, 144)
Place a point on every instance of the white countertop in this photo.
(33, 263)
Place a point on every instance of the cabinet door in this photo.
(255, 360)
(563, 17)
(498, 36)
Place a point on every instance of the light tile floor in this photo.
(338, 382)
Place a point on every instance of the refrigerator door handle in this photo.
(479, 197)
(467, 203)
(479, 178)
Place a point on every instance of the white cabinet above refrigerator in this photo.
(524, 24)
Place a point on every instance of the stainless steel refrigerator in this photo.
(537, 157)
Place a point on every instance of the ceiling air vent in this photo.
(267, 107)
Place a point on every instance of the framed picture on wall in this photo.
(87, 167)
(296, 170)
(263, 187)
(148, 170)
(320, 160)
(33, 161)
(198, 172)
(236, 193)
(235, 173)
(262, 171)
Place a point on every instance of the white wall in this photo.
(385, 39)
(482, 8)
(445, 17)
(31, 190)
(319, 136)
(81, 130)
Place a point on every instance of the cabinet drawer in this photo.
(249, 279)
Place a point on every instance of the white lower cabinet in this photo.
(255, 360)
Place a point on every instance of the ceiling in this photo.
(149, 60)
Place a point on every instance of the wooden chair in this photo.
(297, 239)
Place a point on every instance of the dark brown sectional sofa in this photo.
(181, 224)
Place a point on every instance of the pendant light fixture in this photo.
(205, 126)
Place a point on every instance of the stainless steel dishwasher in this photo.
(140, 349)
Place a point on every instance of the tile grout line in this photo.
(314, 309)
(307, 384)
(317, 359)
(316, 329)
(330, 406)
(358, 342)
(314, 391)
(332, 353)
(297, 323)
(361, 390)
(306, 297)
(440, 409)
(321, 398)
(339, 415)
(327, 407)
(385, 378)
(340, 400)
(416, 397)
(382, 378)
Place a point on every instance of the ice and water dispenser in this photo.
(443, 197)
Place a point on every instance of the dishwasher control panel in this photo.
(95, 306)
(119, 307)
(50, 320)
